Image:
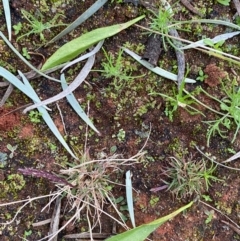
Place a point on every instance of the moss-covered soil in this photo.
(124, 116)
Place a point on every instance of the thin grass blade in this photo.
(130, 197)
(156, 70)
(75, 105)
(24, 60)
(7, 14)
(232, 158)
(75, 47)
(87, 14)
(214, 40)
(213, 21)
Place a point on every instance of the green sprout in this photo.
(230, 105)
(154, 200)
(35, 116)
(36, 24)
(12, 149)
(25, 53)
(210, 215)
(178, 99)
(118, 69)
(211, 43)
(201, 76)
(17, 28)
(160, 23)
(121, 135)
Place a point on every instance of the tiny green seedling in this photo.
(160, 22)
(211, 43)
(52, 146)
(207, 198)
(35, 116)
(26, 234)
(36, 24)
(202, 76)
(230, 106)
(178, 99)
(154, 200)
(17, 28)
(118, 69)
(121, 135)
(210, 215)
(25, 53)
(12, 149)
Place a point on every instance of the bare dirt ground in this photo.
(130, 111)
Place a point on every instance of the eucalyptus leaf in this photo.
(75, 47)
(232, 158)
(85, 56)
(17, 83)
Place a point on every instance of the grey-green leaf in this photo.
(87, 14)
(7, 14)
(27, 89)
(130, 197)
(156, 70)
(75, 105)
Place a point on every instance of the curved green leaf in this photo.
(75, 47)
(140, 233)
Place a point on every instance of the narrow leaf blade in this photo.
(83, 17)
(130, 197)
(75, 105)
(46, 117)
(156, 70)
(214, 40)
(28, 90)
(7, 14)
